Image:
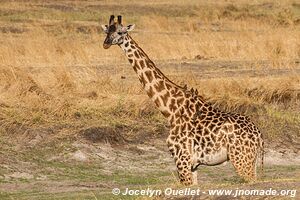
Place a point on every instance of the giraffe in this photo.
(199, 133)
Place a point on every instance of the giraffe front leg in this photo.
(184, 168)
(195, 177)
(184, 163)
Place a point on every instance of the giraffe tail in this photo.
(262, 152)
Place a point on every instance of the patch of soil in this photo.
(148, 136)
(120, 135)
(281, 156)
(103, 134)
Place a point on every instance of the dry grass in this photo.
(53, 69)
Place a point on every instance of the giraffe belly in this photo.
(214, 158)
(217, 157)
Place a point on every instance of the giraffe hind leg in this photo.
(244, 163)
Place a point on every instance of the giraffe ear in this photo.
(105, 28)
(130, 27)
(127, 28)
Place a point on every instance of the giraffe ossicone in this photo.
(199, 133)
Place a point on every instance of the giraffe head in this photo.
(115, 32)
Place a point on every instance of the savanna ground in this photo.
(75, 122)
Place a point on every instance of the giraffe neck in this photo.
(159, 88)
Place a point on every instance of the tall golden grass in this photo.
(53, 69)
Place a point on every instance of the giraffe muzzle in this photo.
(107, 43)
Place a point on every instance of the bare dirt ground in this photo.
(96, 160)
(70, 162)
